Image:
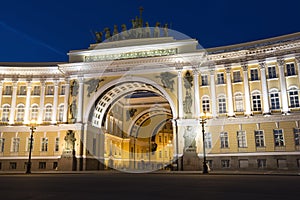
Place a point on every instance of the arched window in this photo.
(205, 104)
(256, 101)
(34, 112)
(294, 97)
(5, 112)
(222, 104)
(61, 112)
(48, 112)
(20, 112)
(274, 99)
(239, 103)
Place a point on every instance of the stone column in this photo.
(180, 95)
(283, 89)
(264, 87)
(196, 93)
(13, 102)
(213, 98)
(66, 100)
(229, 92)
(80, 99)
(42, 101)
(247, 99)
(27, 105)
(55, 100)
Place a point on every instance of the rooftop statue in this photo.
(124, 34)
(107, 33)
(166, 34)
(116, 33)
(147, 31)
(98, 37)
(156, 32)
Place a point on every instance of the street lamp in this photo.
(32, 129)
(203, 118)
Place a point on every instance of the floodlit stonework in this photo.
(135, 105)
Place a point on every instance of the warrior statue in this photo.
(156, 30)
(98, 37)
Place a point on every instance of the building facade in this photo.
(135, 104)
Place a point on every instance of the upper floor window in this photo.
(224, 140)
(61, 113)
(50, 90)
(236, 76)
(8, 90)
(22, 90)
(274, 98)
(290, 69)
(242, 140)
(44, 144)
(2, 140)
(294, 97)
(15, 144)
(48, 113)
(208, 140)
(272, 72)
(259, 138)
(297, 136)
(256, 101)
(36, 90)
(5, 113)
(220, 78)
(278, 137)
(204, 80)
(34, 112)
(205, 104)
(222, 104)
(62, 90)
(254, 74)
(239, 104)
(20, 112)
(56, 148)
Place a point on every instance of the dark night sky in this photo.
(43, 30)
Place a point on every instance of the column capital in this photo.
(212, 71)
(297, 57)
(262, 64)
(228, 68)
(56, 82)
(80, 79)
(280, 61)
(244, 66)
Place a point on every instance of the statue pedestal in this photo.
(191, 162)
(67, 162)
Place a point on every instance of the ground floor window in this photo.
(281, 163)
(12, 165)
(42, 165)
(225, 163)
(261, 163)
(243, 163)
(55, 165)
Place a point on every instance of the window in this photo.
(160, 154)
(61, 113)
(272, 72)
(8, 90)
(12, 165)
(290, 69)
(278, 137)
(242, 140)
(222, 104)
(36, 90)
(296, 136)
(44, 144)
(261, 163)
(42, 165)
(28, 143)
(204, 80)
(294, 97)
(34, 112)
(243, 163)
(20, 112)
(225, 163)
(2, 141)
(205, 104)
(254, 74)
(275, 102)
(159, 139)
(62, 90)
(236, 76)
(48, 113)
(220, 78)
(50, 90)
(259, 138)
(22, 90)
(239, 104)
(256, 101)
(224, 139)
(15, 144)
(208, 140)
(55, 165)
(5, 113)
(56, 148)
